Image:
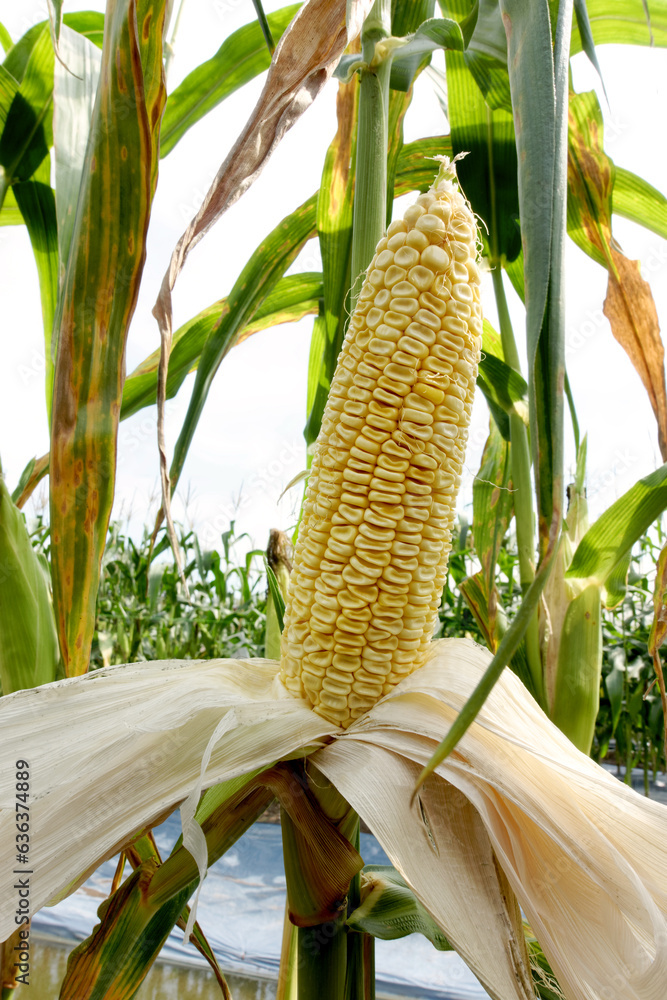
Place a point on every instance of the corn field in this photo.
(473, 763)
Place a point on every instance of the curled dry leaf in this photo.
(629, 305)
(305, 58)
(631, 312)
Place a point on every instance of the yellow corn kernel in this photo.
(381, 497)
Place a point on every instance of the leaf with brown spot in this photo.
(95, 307)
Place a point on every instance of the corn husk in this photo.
(584, 853)
(515, 811)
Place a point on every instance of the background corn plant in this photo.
(83, 98)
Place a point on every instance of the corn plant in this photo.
(507, 813)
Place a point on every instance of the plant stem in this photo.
(370, 200)
(523, 490)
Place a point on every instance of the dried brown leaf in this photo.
(631, 312)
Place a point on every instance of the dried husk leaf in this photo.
(585, 854)
(633, 318)
(443, 852)
(629, 305)
(115, 751)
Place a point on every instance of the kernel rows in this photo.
(370, 562)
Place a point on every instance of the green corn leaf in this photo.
(117, 956)
(136, 920)
(8, 91)
(416, 169)
(87, 22)
(257, 279)
(5, 39)
(539, 78)
(491, 503)
(75, 86)
(334, 229)
(624, 22)
(240, 58)
(293, 297)
(616, 584)
(489, 35)
(586, 35)
(28, 642)
(27, 134)
(10, 214)
(501, 384)
(614, 685)
(610, 539)
(277, 608)
(492, 78)
(36, 201)
(635, 199)
(488, 175)
(435, 33)
(407, 15)
(104, 268)
(390, 909)
(514, 270)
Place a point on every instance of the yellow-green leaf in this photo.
(96, 305)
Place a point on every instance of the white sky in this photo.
(249, 443)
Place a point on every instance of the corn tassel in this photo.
(370, 562)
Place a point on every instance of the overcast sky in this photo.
(249, 443)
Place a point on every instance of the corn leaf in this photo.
(629, 305)
(570, 838)
(334, 229)
(492, 506)
(501, 384)
(230, 713)
(586, 35)
(28, 641)
(117, 956)
(637, 200)
(36, 201)
(539, 79)
(74, 89)
(136, 920)
(8, 91)
(624, 22)
(242, 56)
(414, 171)
(87, 22)
(476, 911)
(10, 214)
(292, 298)
(611, 538)
(27, 134)
(488, 175)
(104, 268)
(5, 39)
(256, 280)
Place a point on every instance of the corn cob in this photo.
(371, 558)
